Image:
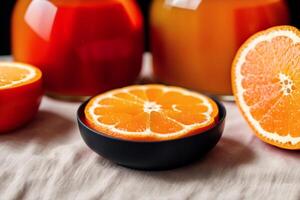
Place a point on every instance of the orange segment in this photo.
(135, 123)
(154, 93)
(160, 123)
(151, 112)
(140, 94)
(265, 80)
(188, 115)
(17, 74)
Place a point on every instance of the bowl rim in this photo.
(80, 114)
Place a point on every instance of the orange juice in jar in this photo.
(193, 45)
(83, 47)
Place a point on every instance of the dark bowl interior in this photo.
(160, 155)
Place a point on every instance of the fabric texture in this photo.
(47, 159)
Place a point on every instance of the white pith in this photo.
(150, 106)
(240, 91)
(154, 107)
(286, 84)
(31, 74)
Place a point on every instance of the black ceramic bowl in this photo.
(145, 155)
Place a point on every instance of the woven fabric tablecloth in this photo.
(47, 159)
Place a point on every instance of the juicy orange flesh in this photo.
(9, 75)
(275, 111)
(126, 111)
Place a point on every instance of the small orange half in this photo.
(14, 74)
(151, 113)
(266, 85)
(21, 92)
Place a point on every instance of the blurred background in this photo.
(295, 12)
(6, 8)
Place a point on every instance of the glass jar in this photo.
(83, 47)
(194, 48)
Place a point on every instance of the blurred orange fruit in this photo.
(151, 113)
(266, 85)
(17, 74)
(20, 94)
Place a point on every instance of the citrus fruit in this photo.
(20, 94)
(266, 85)
(151, 113)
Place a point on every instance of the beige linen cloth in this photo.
(48, 160)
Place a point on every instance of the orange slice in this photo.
(266, 84)
(14, 74)
(21, 92)
(151, 113)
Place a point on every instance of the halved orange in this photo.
(266, 85)
(20, 94)
(17, 74)
(151, 113)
